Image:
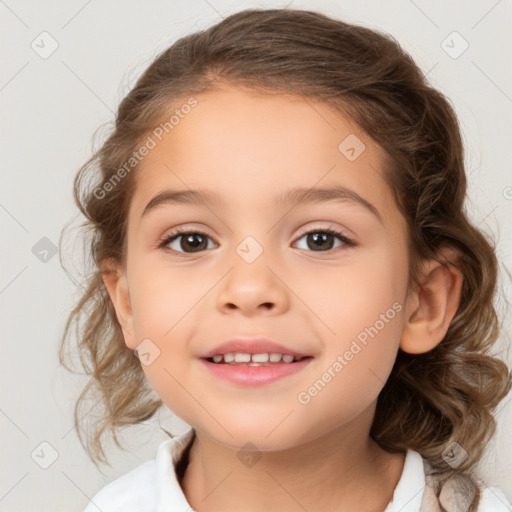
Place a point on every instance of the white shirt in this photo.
(153, 486)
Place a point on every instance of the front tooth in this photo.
(287, 358)
(274, 357)
(228, 358)
(260, 358)
(242, 358)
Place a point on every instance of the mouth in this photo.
(254, 361)
(254, 370)
(261, 359)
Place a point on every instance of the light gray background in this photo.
(50, 110)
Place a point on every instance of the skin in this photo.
(248, 146)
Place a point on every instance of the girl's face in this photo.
(263, 266)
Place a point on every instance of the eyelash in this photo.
(181, 232)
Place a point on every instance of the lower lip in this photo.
(255, 375)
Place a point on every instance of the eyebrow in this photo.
(292, 197)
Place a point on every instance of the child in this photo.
(354, 376)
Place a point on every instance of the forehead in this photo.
(247, 146)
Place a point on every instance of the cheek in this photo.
(162, 300)
(361, 307)
(164, 303)
(351, 297)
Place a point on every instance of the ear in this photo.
(116, 283)
(430, 309)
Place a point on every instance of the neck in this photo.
(344, 467)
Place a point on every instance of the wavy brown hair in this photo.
(430, 400)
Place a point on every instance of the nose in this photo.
(254, 289)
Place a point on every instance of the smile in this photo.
(254, 369)
(266, 358)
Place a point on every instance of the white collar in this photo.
(170, 494)
(409, 490)
(407, 495)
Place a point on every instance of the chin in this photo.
(255, 437)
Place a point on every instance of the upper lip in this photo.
(250, 346)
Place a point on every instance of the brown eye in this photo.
(186, 241)
(323, 240)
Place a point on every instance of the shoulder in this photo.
(151, 486)
(461, 493)
(135, 491)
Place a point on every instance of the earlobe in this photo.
(430, 309)
(116, 283)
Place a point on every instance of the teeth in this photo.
(242, 358)
(260, 358)
(239, 357)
